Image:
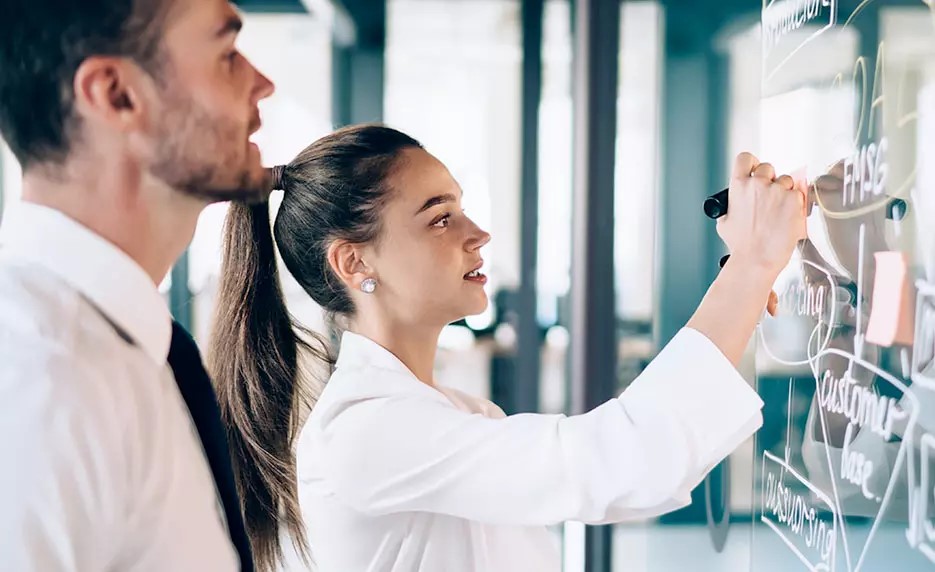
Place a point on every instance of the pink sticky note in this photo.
(800, 176)
(892, 312)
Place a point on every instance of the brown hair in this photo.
(334, 189)
(42, 45)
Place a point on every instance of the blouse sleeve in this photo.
(634, 456)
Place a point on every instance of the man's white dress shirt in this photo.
(102, 467)
(396, 476)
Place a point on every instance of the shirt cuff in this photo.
(696, 383)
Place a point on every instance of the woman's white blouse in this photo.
(395, 476)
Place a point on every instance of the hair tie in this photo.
(277, 173)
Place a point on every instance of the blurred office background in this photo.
(585, 135)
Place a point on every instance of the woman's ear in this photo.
(346, 260)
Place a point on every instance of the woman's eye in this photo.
(231, 57)
(442, 222)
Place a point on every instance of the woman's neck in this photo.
(413, 345)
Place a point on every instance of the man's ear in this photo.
(346, 260)
(111, 91)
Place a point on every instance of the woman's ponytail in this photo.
(254, 360)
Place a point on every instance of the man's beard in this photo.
(197, 156)
(247, 191)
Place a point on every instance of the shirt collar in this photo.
(360, 350)
(96, 268)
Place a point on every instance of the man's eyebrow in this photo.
(232, 25)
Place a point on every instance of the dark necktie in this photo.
(198, 393)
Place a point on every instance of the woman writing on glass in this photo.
(391, 472)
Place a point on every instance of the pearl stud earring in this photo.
(368, 285)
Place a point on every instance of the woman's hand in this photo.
(765, 220)
(766, 217)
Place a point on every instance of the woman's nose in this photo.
(477, 239)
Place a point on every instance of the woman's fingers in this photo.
(765, 171)
(786, 182)
(744, 165)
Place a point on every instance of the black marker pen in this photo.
(715, 207)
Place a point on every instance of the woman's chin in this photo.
(467, 307)
(478, 306)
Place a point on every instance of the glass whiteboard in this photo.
(844, 476)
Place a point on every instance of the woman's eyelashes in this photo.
(442, 221)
